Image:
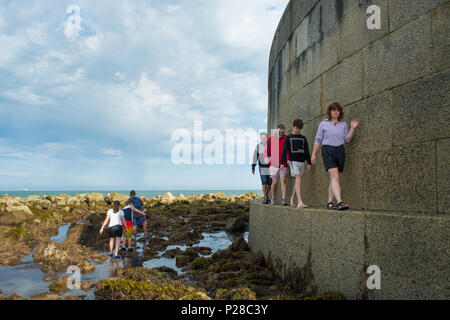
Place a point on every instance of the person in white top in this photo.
(116, 219)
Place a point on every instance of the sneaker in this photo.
(117, 257)
(123, 249)
(265, 201)
(130, 249)
(272, 201)
(284, 202)
(110, 254)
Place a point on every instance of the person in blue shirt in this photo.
(129, 213)
(138, 218)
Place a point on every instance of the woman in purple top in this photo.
(332, 134)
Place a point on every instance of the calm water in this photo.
(147, 193)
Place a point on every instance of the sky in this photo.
(94, 94)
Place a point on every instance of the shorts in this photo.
(128, 234)
(266, 179)
(138, 219)
(275, 172)
(333, 157)
(297, 168)
(115, 231)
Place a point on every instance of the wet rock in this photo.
(87, 285)
(59, 286)
(15, 296)
(171, 253)
(150, 286)
(58, 256)
(15, 214)
(169, 271)
(44, 296)
(183, 260)
(72, 298)
(235, 294)
(114, 196)
(235, 224)
(239, 244)
(150, 254)
(158, 244)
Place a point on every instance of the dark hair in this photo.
(281, 126)
(132, 193)
(116, 203)
(335, 106)
(298, 124)
(130, 201)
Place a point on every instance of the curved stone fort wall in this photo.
(396, 80)
(396, 178)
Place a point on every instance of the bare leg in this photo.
(111, 245)
(298, 187)
(283, 187)
(124, 242)
(117, 245)
(335, 185)
(265, 189)
(293, 196)
(274, 187)
(145, 226)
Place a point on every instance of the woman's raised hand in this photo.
(355, 123)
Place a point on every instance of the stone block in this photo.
(338, 234)
(321, 270)
(305, 103)
(414, 246)
(421, 110)
(346, 277)
(398, 58)
(403, 11)
(375, 128)
(441, 40)
(353, 32)
(344, 82)
(351, 181)
(296, 75)
(394, 287)
(322, 55)
(443, 175)
(400, 179)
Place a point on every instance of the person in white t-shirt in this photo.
(116, 219)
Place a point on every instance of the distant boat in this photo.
(25, 189)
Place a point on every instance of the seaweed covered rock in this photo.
(59, 286)
(239, 244)
(114, 196)
(58, 256)
(14, 213)
(147, 284)
(235, 294)
(236, 224)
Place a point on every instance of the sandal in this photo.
(342, 206)
(302, 206)
(331, 206)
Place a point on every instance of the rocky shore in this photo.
(27, 225)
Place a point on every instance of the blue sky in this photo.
(95, 107)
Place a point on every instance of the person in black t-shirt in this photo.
(296, 146)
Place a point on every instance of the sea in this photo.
(142, 193)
